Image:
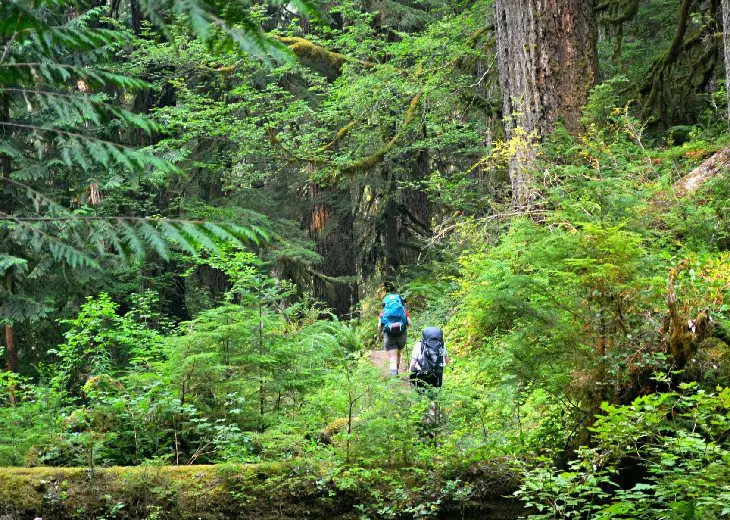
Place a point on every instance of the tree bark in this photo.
(726, 40)
(416, 208)
(11, 350)
(546, 54)
(136, 14)
(332, 228)
(391, 226)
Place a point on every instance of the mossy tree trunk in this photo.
(726, 39)
(546, 53)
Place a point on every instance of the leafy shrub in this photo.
(676, 446)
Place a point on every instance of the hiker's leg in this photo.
(391, 347)
(401, 342)
(393, 357)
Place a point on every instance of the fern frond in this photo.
(129, 236)
(67, 237)
(24, 72)
(171, 232)
(8, 262)
(201, 238)
(154, 238)
(17, 308)
(72, 107)
(83, 150)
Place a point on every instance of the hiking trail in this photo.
(379, 358)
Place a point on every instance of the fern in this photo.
(8, 263)
(67, 239)
(53, 116)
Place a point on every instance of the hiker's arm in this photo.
(414, 355)
(380, 327)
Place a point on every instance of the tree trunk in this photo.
(710, 169)
(546, 53)
(331, 225)
(6, 206)
(136, 14)
(11, 351)
(726, 39)
(11, 348)
(391, 228)
(415, 208)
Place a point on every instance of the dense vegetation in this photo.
(202, 204)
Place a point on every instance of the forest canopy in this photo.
(203, 204)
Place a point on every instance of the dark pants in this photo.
(425, 381)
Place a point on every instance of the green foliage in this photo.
(101, 342)
(177, 216)
(28, 420)
(676, 443)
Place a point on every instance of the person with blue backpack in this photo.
(393, 323)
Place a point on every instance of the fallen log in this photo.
(709, 169)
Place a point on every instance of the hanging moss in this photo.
(621, 12)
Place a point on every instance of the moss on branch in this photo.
(307, 50)
(342, 132)
(374, 159)
(362, 164)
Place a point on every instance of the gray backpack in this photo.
(431, 359)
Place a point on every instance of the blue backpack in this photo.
(394, 318)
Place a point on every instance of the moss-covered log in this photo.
(256, 491)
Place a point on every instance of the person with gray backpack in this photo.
(428, 359)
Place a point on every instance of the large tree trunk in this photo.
(136, 14)
(726, 38)
(332, 228)
(546, 53)
(415, 209)
(391, 226)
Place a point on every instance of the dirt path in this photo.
(379, 358)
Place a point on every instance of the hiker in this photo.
(428, 359)
(393, 324)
